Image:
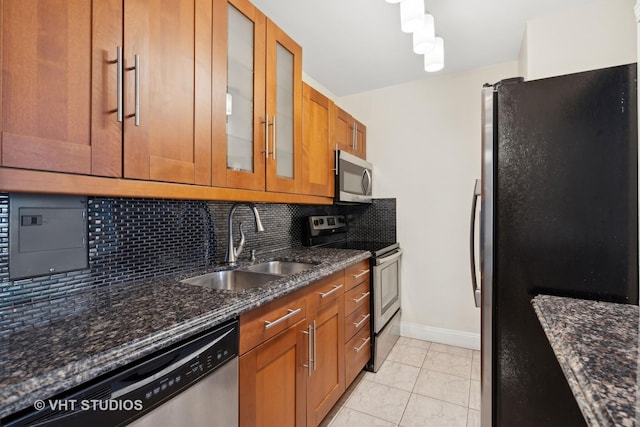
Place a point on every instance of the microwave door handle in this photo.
(366, 182)
(472, 240)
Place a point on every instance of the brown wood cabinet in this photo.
(258, 75)
(348, 133)
(167, 101)
(58, 86)
(298, 353)
(318, 161)
(273, 380)
(61, 96)
(357, 326)
(326, 314)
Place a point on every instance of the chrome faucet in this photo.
(232, 252)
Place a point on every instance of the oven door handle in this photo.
(390, 258)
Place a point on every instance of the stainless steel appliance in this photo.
(353, 178)
(386, 257)
(194, 383)
(558, 215)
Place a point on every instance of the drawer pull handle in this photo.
(291, 313)
(364, 318)
(364, 295)
(357, 349)
(332, 291)
(359, 275)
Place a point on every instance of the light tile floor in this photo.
(421, 384)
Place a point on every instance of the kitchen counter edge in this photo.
(16, 397)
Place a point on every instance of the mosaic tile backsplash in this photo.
(138, 239)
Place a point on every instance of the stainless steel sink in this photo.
(231, 280)
(281, 268)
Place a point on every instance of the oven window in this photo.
(389, 286)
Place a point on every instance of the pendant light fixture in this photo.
(413, 19)
(411, 15)
(424, 38)
(434, 59)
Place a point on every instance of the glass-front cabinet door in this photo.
(257, 78)
(284, 106)
(239, 122)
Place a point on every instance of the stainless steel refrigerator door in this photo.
(486, 256)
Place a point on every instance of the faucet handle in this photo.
(240, 247)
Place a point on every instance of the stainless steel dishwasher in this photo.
(192, 384)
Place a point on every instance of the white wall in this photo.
(597, 35)
(423, 138)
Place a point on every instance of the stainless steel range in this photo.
(331, 231)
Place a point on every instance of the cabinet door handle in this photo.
(364, 318)
(355, 139)
(136, 69)
(364, 295)
(357, 349)
(353, 136)
(275, 141)
(332, 291)
(119, 89)
(315, 346)
(291, 313)
(266, 136)
(359, 275)
(137, 94)
(309, 359)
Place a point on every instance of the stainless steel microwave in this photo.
(354, 179)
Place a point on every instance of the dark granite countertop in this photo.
(119, 324)
(596, 344)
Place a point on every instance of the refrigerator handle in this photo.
(472, 243)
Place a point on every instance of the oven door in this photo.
(386, 286)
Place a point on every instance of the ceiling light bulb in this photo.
(434, 59)
(424, 38)
(393, 1)
(411, 15)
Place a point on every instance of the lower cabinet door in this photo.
(327, 380)
(273, 380)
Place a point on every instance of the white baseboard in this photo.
(441, 335)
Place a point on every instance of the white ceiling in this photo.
(352, 46)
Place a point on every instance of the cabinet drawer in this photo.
(265, 322)
(357, 352)
(357, 274)
(325, 291)
(356, 321)
(357, 297)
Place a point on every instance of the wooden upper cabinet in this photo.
(361, 140)
(167, 101)
(257, 80)
(348, 134)
(239, 78)
(284, 106)
(317, 152)
(58, 86)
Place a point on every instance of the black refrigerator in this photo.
(558, 215)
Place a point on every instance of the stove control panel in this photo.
(326, 224)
